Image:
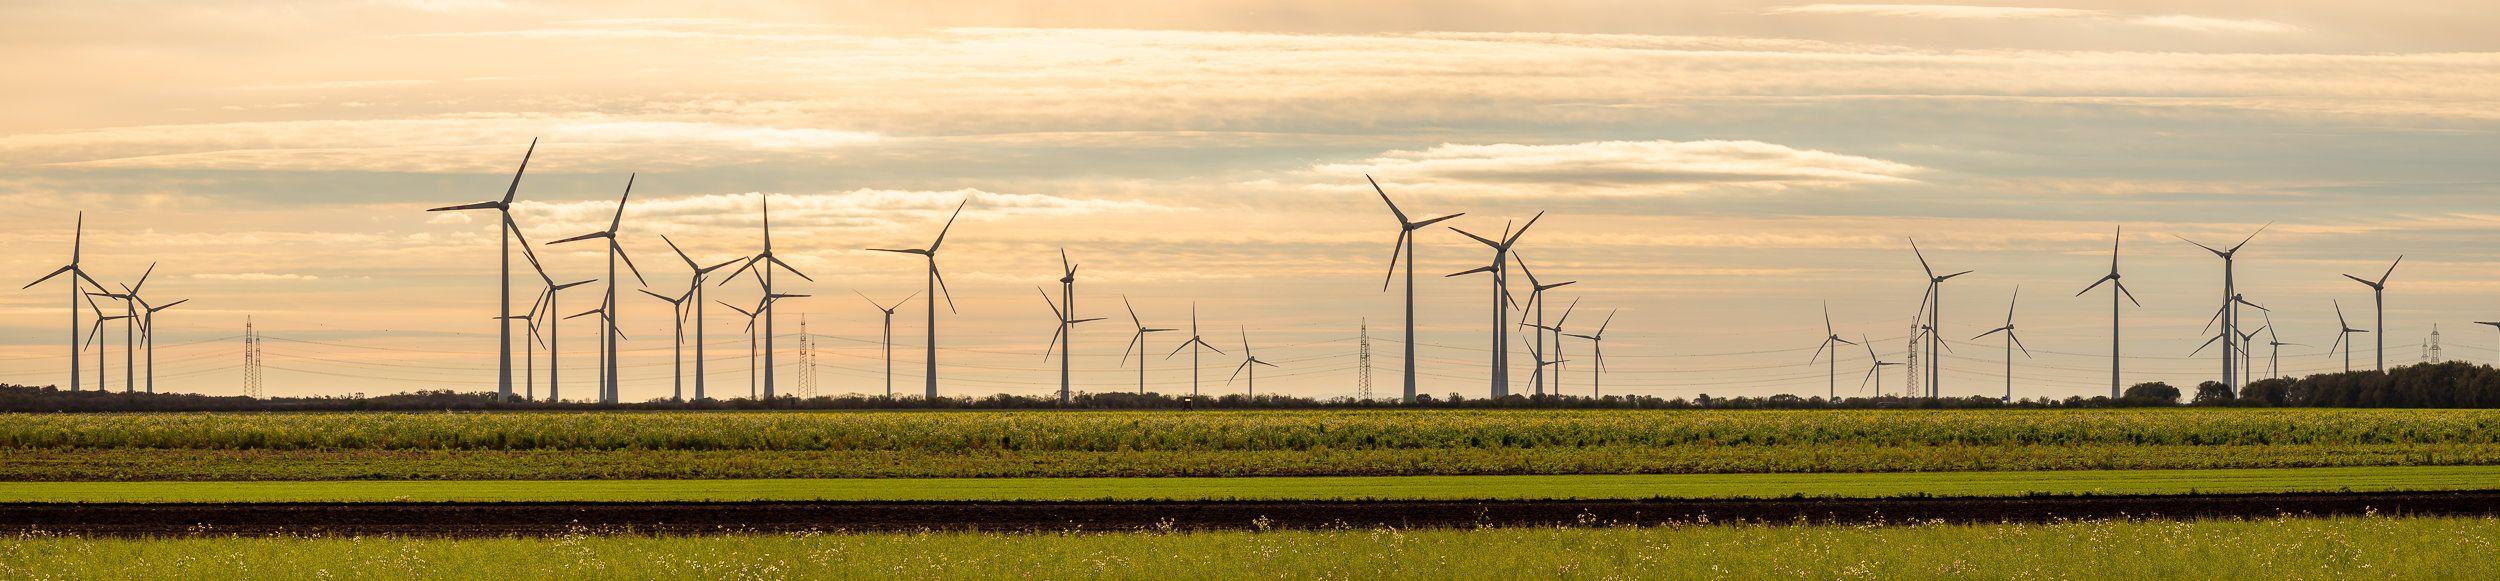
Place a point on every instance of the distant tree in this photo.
(2151, 393)
(2213, 393)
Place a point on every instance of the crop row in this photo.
(1239, 431)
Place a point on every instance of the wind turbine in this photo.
(2011, 341)
(1556, 329)
(2378, 296)
(130, 330)
(1597, 349)
(1537, 356)
(1247, 363)
(1536, 302)
(608, 382)
(750, 315)
(1831, 341)
(2344, 329)
(555, 336)
(2230, 289)
(937, 285)
(103, 347)
(2117, 288)
(2275, 343)
(677, 348)
(1137, 343)
(78, 235)
(1405, 247)
(1064, 337)
(1934, 301)
(1194, 344)
(607, 314)
(147, 329)
(1501, 298)
(503, 281)
(764, 263)
(889, 335)
(694, 299)
(1875, 366)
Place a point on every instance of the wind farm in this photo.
(278, 362)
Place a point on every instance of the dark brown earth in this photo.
(499, 519)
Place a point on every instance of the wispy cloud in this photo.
(1627, 167)
(254, 276)
(431, 144)
(1968, 12)
(1951, 11)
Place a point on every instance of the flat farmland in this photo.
(824, 445)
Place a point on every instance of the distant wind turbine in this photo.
(1405, 247)
(503, 317)
(2344, 329)
(763, 264)
(1501, 298)
(677, 347)
(2275, 343)
(1934, 301)
(2230, 289)
(1064, 338)
(888, 310)
(2117, 288)
(1557, 330)
(608, 391)
(2494, 325)
(1831, 342)
(1597, 351)
(1249, 362)
(1874, 366)
(2011, 341)
(78, 235)
(1536, 303)
(1137, 343)
(103, 346)
(937, 285)
(1194, 344)
(695, 301)
(2378, 297)
(130, 331)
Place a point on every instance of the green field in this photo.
(2289, 548)
(1603, 486)
(740, 445)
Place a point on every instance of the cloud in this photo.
(1946, 11)
(1628, 167)
(254, 276)
(459, 143)
(1965, 12)
(864, 207)
(2204, 24)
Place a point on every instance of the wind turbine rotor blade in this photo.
(950, 225)
(1133, 341)
(1818, 350)
(1459, 273)
(1132, 313)
(2198, 245)
(629, 261)
(671, 300)
(1486, 241)
(2018, 343)
(1393, 206)
(1245, 364)
(742, 269)
(1263, 362)
(2095, 284)
(1055, 313)
(168, 305)
(1054, 341)
(476, 206)
(1513, 238)
(1395, 250)
(48, 277)
(2251, 236)
(941, 280)
(681, 254)
(2382, 278)
(2201, 349)
(513, 190)
(1922, 259)
(1429, 222)
(580, 238)
(786, 266)
(618, 222)
(2122, 289)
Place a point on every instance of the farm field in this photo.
(1526, 487)
(2273, 548)
(743, 445)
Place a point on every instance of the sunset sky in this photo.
(1711, 171)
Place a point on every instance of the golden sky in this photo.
(1713, 171)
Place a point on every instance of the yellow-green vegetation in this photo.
(612, 445)
(2290, 548)
(1575, 486)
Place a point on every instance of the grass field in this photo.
(553, 446)
(2291, 548)
(1624, 486)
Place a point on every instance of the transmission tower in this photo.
(251, 359)
(1363, 365)
(807, 360)
(1910, 388)
(2431, 353)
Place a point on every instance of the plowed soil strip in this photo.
(535, 519)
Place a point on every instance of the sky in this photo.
(1711, 174)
